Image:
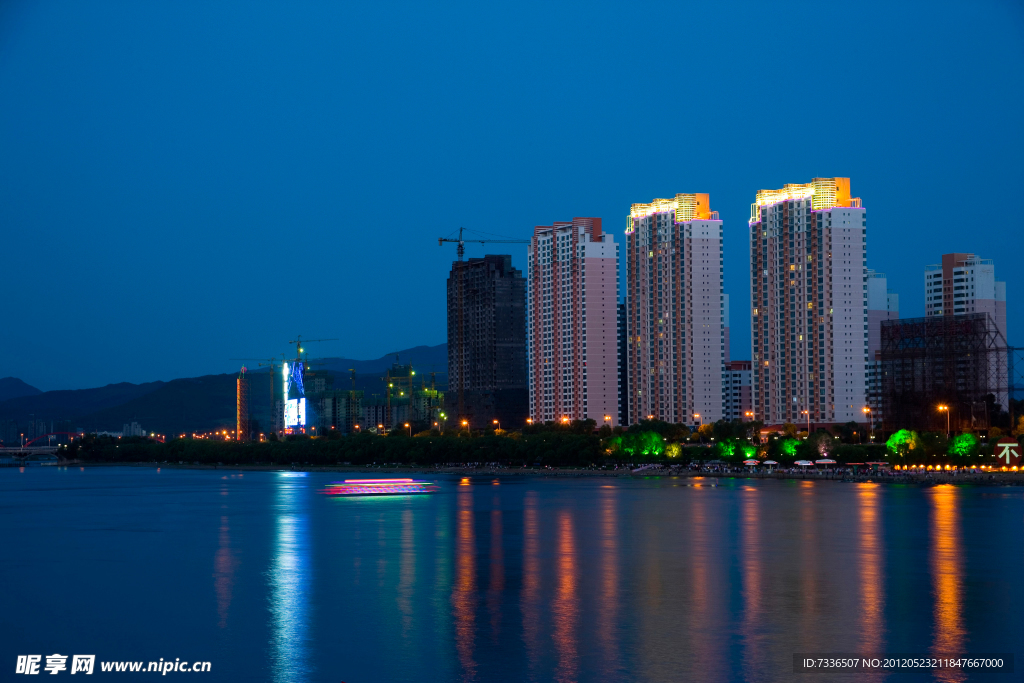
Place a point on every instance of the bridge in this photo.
(27, 451)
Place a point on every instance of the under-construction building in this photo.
(951, 361)
(487, 342)
(406, 400)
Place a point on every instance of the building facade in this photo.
(489, 367)
(958, 362)
(962, 284)
(736, 393)
(623, 365)
(571, 323)
(675, 310)
(883, 304)
(809, 327)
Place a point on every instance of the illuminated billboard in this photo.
(295, 413)
(294, 408)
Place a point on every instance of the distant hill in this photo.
(181, 405)
(73, 403)
(423, 358)
(205, 403)
(12, 387)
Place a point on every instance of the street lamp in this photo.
(945, 409)
(529, 420)
(409, 428)
(871, 423)
(808, 414)
(380, 429)
(565, 420)
(497, 423)
(608, 420)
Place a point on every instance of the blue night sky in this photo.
(182, 183)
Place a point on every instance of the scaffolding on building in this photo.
(960, 362)
(242, 406)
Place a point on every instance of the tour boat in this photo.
(379, 487)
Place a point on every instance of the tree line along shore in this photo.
(576, 445)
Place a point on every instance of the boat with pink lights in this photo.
(379, 487)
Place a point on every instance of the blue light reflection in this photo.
(290, 576)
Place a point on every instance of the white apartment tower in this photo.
(964, 283)
(571, 323)
(809, 326)
(675, 310)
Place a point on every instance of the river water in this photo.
(502, 579)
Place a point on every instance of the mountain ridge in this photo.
(13, 387)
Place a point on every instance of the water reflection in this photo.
(530, 599)
(497, 570)
(947, 570)
(464, 590)
(705, 614)
(810, 572)
(290, 576)
(750, 549)
(872, 586)
(224, 564)
(566, 603)
(407, 572)
(608, 610)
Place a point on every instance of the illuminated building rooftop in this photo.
(687, 207)
(824, 193)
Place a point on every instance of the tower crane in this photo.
(298, 345)
(461, 346)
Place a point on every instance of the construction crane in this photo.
(298, 345)
(461, 346)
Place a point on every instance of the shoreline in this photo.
(994, 478)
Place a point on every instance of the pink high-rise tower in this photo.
(571, 323)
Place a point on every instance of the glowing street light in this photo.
(409, 427)
(497, 423)
(871, 423)
(945, 409)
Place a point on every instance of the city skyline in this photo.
(148, 225)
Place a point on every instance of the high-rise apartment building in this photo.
(736, 393)
(725, 328)
(883, 304)
(623, 366)
(489, 365)
(809, 336)
(571, 321)
(674, 310)
(964, 283)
